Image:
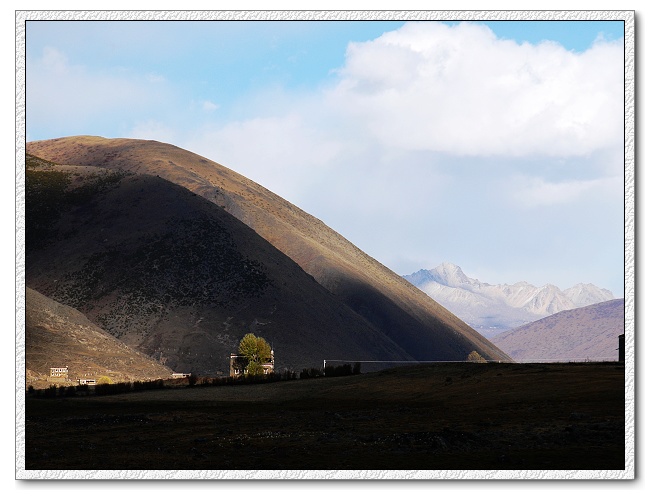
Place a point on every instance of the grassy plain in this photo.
(445, 416)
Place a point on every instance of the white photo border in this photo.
(340, 15)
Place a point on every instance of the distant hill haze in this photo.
(58, 336)
(118, 255)
(492, 309)
(586, 333)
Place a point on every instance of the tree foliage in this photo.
(255, 349)
(254, 368)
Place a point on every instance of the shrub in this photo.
(475, 357)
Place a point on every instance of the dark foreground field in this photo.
(445, 416)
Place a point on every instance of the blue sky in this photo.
(497, 146)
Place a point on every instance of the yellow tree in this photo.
(256, 350)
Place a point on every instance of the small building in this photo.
(181, 375)
(238, 365)
(87, 381)
(59, 372)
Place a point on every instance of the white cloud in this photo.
(430, 87)
(462, 91)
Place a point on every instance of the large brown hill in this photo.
(401, 312)
(60, 336)
(177, 277)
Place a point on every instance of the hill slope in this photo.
(58, 336)
(586, 333)
(177, 277)
(493, 309)
(410, 319)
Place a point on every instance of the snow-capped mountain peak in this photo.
(547, 300)
(446, 274)
(450, 275)
(491, 309)
(586, 294)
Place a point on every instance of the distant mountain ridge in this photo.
(588, 333)
(492, 309)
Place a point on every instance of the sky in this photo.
(497, 146)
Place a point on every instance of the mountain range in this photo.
(588, 333)
(493, 309)
(178, 257)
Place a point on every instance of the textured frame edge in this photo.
(629, 149)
